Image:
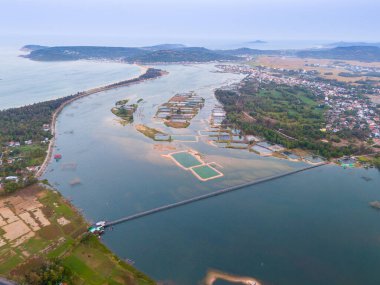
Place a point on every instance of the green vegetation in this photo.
(90, 262)
(26, 123)
(149, 132)
(177, 125)
(18, 158)
(369, 74)
(288, 115)
(370, 161)
(129, 54)
(64, 253)
(12, 186)
(372, 74)
(121, 102)
(348, 74)
(361, 53)
(124, 112)
(52, 272)
(25, 132)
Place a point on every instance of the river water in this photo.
(310, 228)
(25, 82)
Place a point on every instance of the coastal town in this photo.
(348, 107)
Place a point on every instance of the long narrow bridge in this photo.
(209, 195)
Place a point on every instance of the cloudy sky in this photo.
(196, 19)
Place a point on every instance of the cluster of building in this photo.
(217, 116)
(348, 67)
(180, 109)
(349, 112)
(237, 69)
(11, 153)
(347, 108)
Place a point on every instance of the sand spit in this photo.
(213, 275)
(95, 90)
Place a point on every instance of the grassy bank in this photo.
(149, 132)
(52, 230)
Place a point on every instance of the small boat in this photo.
(101, 223)
(57, 156)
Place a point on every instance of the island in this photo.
(124, 111)
(180, 110)
(152, 133)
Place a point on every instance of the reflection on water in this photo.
(43, 81)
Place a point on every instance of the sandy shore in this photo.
(41, 171)
(214, 275)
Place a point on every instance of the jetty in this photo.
(209, 195)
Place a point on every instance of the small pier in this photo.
(210, 195)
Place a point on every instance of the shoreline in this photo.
(82, 94)
(214, 275)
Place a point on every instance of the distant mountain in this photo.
(179, 53)
(165, 47)
(257, 42)
(32, 47)
(351, 44)
(361, 53)
(160, 53)
(249, 51)
(187, 54)
(68, 53)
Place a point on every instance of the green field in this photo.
(205, 171)
(87, 260)
(293, 116)
(92, 263)
(186, 159)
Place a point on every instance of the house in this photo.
(11, 178)
(46, 127)
(347, 162)
(13, 144)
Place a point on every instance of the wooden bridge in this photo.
(209, 195)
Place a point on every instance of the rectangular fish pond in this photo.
(185, 159)
(185, 138)
(206, 172)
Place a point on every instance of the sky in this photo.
(170, 20)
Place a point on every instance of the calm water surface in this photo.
(310, 228)
(23, 81)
